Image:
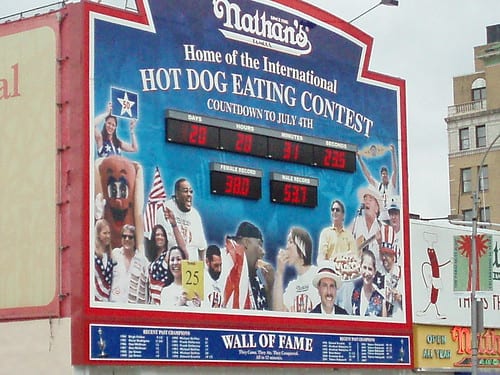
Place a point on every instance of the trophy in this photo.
(102, 344)
(402, 352)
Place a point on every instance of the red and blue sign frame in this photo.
(208, 68)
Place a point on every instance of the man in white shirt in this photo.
(395, 222)
(387, 187)
(187, 219)
(213, 283)
(367, 226)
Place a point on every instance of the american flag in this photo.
(157, 278)
(156, 197)
(237, 291)
(103, 271)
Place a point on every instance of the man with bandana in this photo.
(249, 279)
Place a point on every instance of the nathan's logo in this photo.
(257, 29)
(488, 350)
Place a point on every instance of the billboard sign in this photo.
(30, 286)
(441, 261)
(247, 171)
(449, 347)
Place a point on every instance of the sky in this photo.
(426, 43)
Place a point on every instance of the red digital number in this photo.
(291, 150)
(244, 142)
(296, 194)
(237, 185)
(334, 159)
(197, 134)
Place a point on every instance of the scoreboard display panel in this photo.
(247, 185)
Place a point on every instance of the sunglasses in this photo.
(127, 237)
(336, 209)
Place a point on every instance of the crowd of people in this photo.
(351, 274)
(357, 270)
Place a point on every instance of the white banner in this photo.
(436, 250)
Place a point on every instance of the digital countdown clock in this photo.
(191, 133)
(243, 143)
(294, 152)
(294, 190)
(207, 132)
(236, 181)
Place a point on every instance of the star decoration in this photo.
(126, 105)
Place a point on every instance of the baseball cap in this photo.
(394, 205)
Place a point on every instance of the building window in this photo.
(464, 139)
(467, 215)
(481, 136)
(484, 183)
(484, 214)
(478, 89)
(465, 176)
